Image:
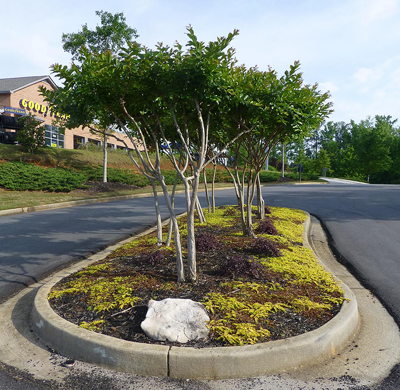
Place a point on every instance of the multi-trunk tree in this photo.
(191, 104)
(162, 97)
(280, 110)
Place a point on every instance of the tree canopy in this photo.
(111, 35)
(191, 102)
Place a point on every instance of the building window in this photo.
(94, 141)
(53, 137)
(78, 141)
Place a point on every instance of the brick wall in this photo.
(31, 94)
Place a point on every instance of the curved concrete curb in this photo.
(190, 363)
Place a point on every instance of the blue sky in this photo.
(349, 47)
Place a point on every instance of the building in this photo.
(20, 96)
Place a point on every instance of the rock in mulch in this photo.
(179, 320)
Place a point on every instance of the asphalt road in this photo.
(363, 222)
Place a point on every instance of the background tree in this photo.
(32, 135)
(359, 151)
(371, 142)
(110, 36)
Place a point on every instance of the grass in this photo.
(17, 199)
(250, 295)
(67, 158)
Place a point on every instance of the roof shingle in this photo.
(11, 85)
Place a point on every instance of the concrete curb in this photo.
(190, 363)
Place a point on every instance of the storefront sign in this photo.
(13, 110)
(40, 108)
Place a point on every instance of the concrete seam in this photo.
(168, 361)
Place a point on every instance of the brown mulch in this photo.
(94, 187)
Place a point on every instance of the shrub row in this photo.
(116, 175)
(19, 176)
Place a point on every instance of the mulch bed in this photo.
(125, 324)
(94, 187)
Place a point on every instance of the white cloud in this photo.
(367, 75)
(396, 77)
(328, 86)
(378, 10)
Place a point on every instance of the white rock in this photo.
(180, 320)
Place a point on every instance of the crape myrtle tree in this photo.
(165, 96)
(281, 110)
(110, 36)
(183, 90)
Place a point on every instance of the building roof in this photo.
(14, 84)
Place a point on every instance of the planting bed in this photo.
(254, 289)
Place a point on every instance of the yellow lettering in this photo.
(37, 107)
(31, 105)
(23, 103)
(42, 109)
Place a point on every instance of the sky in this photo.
(349, 47)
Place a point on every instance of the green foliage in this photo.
(252, 304)
(28, 177)
(269, 176)
(368, 149)
(104, 294)
(111, 35)
(116, 175)
(94, 326)
(371, 142)
(31, 136)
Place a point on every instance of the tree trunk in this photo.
(200, 213)
(260, 199)
(168, 242)
(174, 222)
(283, 160)
(191, 241)
(158, 214)
(240, 198)
(206, 191)
(213, 188)
(105, 158)
(249, 216)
